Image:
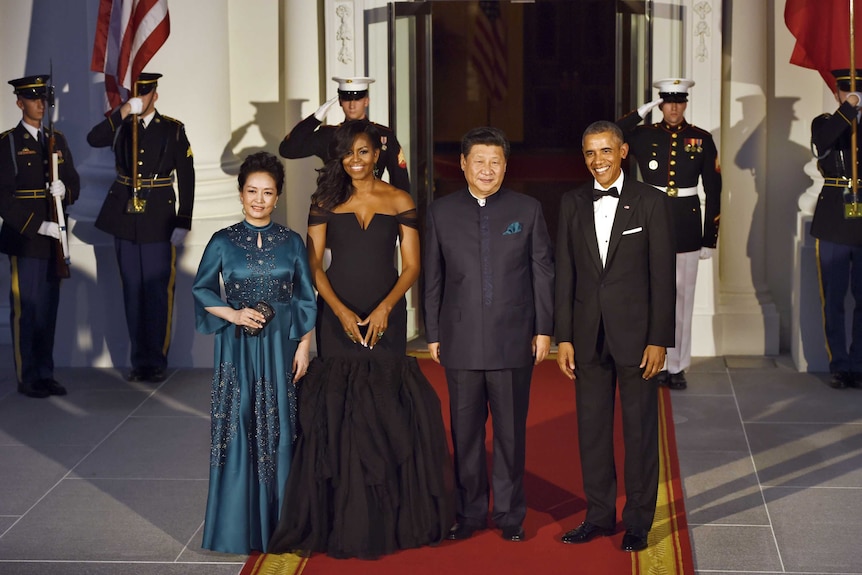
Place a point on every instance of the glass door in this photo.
(398, 55)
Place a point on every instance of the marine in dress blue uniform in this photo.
(310, 138)
(29, 235)
(147, 227)
(673, 155)
(839, 237)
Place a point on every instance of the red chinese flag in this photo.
(128, 34)
(822, 32)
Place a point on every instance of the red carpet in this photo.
(556, 504)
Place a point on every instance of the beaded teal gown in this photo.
(253, 396)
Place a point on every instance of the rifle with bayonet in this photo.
(62, 259)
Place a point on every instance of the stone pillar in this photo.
(748, 321)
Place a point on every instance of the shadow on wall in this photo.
(257, 134)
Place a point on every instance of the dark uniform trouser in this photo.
(839, 267)
(595, 394)
(33, 298)
(507, 393)
(148, 273)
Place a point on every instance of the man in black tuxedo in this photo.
(615, 302)
(489, 288)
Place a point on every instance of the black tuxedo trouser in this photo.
(595, 395)
(507, 393)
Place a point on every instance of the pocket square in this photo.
(633, 231)
(514, 228)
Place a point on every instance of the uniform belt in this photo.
(678, 192)
(30, 194)
(839, 182)
(147, 182)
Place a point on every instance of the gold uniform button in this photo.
(672, 173)
(673, 162)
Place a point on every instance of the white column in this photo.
(748, 321)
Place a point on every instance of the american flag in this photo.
(128, 34)
(488, 54)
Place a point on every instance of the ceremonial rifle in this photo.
(62, 261)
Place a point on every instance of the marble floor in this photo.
(112, 478)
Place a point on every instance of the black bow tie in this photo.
(598, 194)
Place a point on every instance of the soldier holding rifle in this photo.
(147, 218)
(30, 233)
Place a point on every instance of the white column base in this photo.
(746, 326)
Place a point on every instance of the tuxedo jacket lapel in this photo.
(586, 213)
(625, 209)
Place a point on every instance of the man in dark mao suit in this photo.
(488, 320)
(614, 319)
(148, 232)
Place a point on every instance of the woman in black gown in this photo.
(371, 471)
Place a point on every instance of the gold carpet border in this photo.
(664, 554)
(279, 564)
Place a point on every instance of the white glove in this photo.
(706, 253)
(58, 189)
(858, 95)
(645, 109)
(136, 105)
(50, 229)
(322, 110)
(178, 236)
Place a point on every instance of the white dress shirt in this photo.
(604, 210)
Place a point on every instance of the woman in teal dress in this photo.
(253, 395)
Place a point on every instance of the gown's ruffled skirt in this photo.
(371, 472)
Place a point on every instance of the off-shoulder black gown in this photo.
(371, 472)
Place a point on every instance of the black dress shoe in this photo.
(586, 531)
(635, 540)
(677, 381)
(514, 533)
(33, 389)
(841, 380)
(661, 377)
(461, 531)
(855, 380)
(52, 386)
(156, 376)
(137, 374)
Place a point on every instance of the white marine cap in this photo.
(353, 88)
(673, 89)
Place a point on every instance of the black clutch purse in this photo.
(268, 314)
